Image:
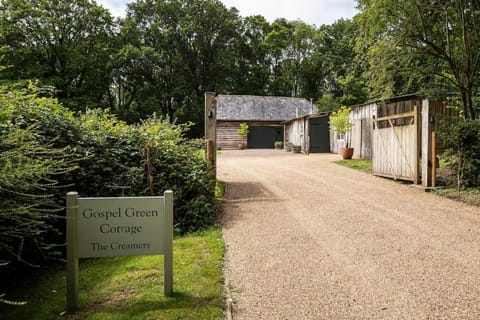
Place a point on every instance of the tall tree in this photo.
(180, 49)
(64, 44)
(437, 41)
(341, 77)
(253, 72)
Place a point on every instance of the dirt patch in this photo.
(308, 239)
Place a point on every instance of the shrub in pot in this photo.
(340, 123)
(278, 144)
(288, 146)
(243, 131)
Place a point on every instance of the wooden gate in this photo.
(396, 141)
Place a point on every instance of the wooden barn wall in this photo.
(228, 137)
(361, 136)
(295, 132)
(336, 144)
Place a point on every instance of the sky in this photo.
(315, 12)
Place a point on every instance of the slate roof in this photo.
(261, 108)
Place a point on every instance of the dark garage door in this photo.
(319, 135)
(264, 137)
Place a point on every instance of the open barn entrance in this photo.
(264, 137)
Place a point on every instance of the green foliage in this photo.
(340, 122)
(462, 141)
(45, 149)
(176, 165)
(243, 130)
(421, 45)
(64, 44)
(219, 189)
(164, 55)
(130, 288)
(30, 167)
(10, 302)
(357, 164)
(174, 51)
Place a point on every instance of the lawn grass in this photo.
(132, 287)
(468, 196)
(357, 164)
(219, 189)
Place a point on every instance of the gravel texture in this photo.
(309, 239)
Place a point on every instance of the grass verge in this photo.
(357, 164)
(469, 196)
(219, 189)
(132, 287)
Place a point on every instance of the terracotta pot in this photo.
(347, 153)
(241, 145)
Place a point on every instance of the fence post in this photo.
(211, 130)
(418, 126)
(72, 256)
(168, 254)
(426, 140)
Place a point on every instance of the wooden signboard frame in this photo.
(108, 227)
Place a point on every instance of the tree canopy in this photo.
(65, 45)
(165, 54)
(431, 46)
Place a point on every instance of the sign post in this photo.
(112, 227)
(72, 257)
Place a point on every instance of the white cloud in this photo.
(316, 12)
(116, 7)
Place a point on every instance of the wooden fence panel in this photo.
(395, 145)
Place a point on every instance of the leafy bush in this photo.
(176, 164)
(29, 170)
(46, 150)
(462, 141)
(340, 123)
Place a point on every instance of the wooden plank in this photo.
(384, 155)
(416, 143)
(396, 116)
(434, 160)
(426, 138)
(211, 128)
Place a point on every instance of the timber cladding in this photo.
(263, 114)
(227, 132)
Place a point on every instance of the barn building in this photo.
(265, 116)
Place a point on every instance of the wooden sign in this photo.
(111, 227)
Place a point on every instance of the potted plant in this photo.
(296, 149)
(288, 146)
(243, 132)
(340, 124)
(278, 145)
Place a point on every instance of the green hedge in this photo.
(47, 150)
(461, 138)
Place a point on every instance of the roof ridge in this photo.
(263, 97)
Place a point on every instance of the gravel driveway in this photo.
(309, 239)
